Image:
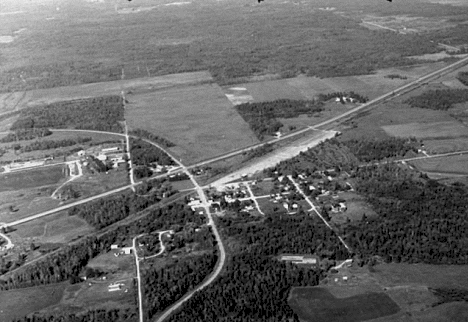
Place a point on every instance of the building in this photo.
(127, 250)
(102, 157)
(110, 150)
(300, 259)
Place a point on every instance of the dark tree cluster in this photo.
(102, 315)
(367, 150)
(257, 152)
(263, 117)
(68, 262)
(143, 134)
(144, 154)
(255, 284)
(52, 144)
(25, 134)
(251, 288)
(420, 220)
(100, 113)
(327, 155)
(106, 211)
(447, 295)
(164, 286)
(395, 76)
(439, 99)
(463, 77)
(355, 96)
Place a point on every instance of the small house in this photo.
(127, 250)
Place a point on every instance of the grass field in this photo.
(18, 303)
(200, 120)
(56, 228)
(428, 130)
(318, 304)
(457, 164)
(445, 146)
(39, 177)
(356, 208)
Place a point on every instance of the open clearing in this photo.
(428, 130)
(11, 101)
(56, 228)
(43, 176)
(445, 146)
(281, 154)
(457, 164)
(200, 120)
(18, 303)
(319, 305)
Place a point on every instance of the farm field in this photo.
(457, 164)
(18, 303)
(428, 130)
(319, 305)
(200, 120)
(56, 228)
(15, 101)
(446, 145)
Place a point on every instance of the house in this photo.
(300, 259)
(115, 246)
(102, 157)
(127, 250)
(81, 153)
(278, 134)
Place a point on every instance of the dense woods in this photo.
(263, 117)
(139, 133)
(367, 150)
(102, 315)
(164, 286)
(68, 262)
(144, 153)
(463, 78)
(255, 285)
(99, 113)
(420, 220)
(439, 99)
(25, 134)
(50, 144)
(106, 211)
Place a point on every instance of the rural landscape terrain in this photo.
(216, 160)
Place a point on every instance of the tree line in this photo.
(140, 133)
(25, 134)
(463, 77)
(49, 144)
(367, 150)
(101, 315)
(263, 117)
(98, 113)
(439, 99)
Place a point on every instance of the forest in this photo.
(49, 144)
(144, 154)
(101, 315)
(25, 134)
(68, 262)
(263, 117)
(106, 211)
(420, 220)
(463, 78)
(143, 134)
(164, 286)
(368, 150)
(439, 99)
(255, 285)
(99, 113)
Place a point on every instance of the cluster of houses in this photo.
(113, 156)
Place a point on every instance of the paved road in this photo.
(8, 240)
(211, 222)
(254, 199)
(313, 208)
